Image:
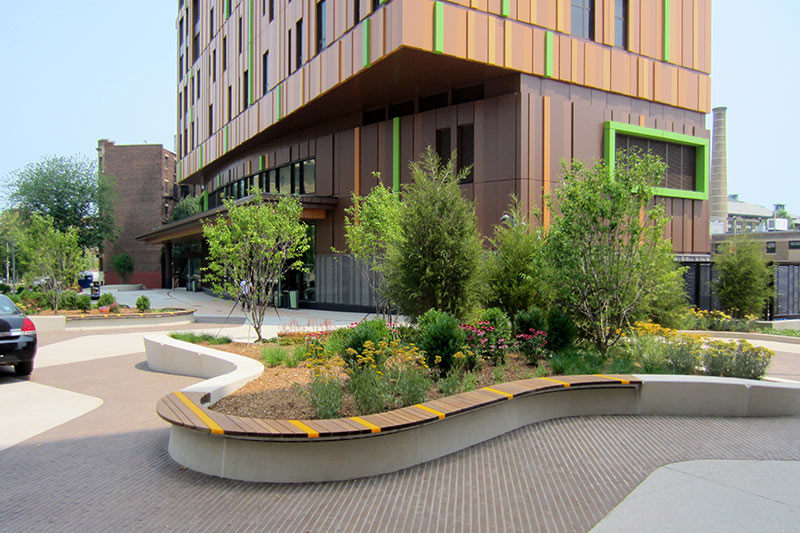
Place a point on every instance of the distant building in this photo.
(744, 217)
(145, 192)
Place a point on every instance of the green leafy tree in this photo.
(55, 257)
(606, 255)
(515, 265)
(744, 277)
(70, 191)
(252, 247)
(188, 206)
(435, 262)
(124, 265)
(371, 227)
(12, 254)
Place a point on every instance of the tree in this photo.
(371, 227)
(606, 255)
(744, 277)
(435, 262)
(251, 249)
(70, 192)
(55, 257)
(124, 265)
(515, 265)
(188, 206)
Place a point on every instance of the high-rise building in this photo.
(144, 193)
(310, 97)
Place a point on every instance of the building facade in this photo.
(145, 189)
(311, 97)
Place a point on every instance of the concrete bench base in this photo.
(261, 456)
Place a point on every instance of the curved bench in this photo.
(253, 449)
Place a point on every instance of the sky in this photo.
(75, 72)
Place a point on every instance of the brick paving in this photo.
(109, 470)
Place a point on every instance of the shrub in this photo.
(296, 356)
(744, 276)
(123, 265)
(440, 337)
(531, 319)
(106, 300)
(365, 331)
(83, 302)
(436, 260)
(532, 345)
(683, 354)
(577, 361)
(368, 389)
(336, 340)
(67, 300)
(14, 297)
(142, 303)
(738, 359)
(326, 395)
(5, 289)
(273, 356)
(484, 340)
(189, 336)
(561, 330)
(32, 299)
(499, 321)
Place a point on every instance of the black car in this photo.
(17, 338)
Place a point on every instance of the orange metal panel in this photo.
(687, 40)
(479, 4)
(634, 25)
(534, 11)
(621, 71)
(546, 15)
(645, 86)
(538, 51)
(455, 31)
(376, 31)
(688, 89)
(606, 69)
(523, 10)
(564, 58)
(480, 37)
(676, 32)
(593, 76)
(494, 6)
(599, 20)
(665, 83)
(608, 22)
(563, 9)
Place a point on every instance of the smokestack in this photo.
(718, 185)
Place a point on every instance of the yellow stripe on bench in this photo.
(434, 411)
(623, 381)
(370, 425)
(556, 381)
(312, 433)
(213, 426)
(506, 394)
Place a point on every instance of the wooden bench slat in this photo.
(419, 414)
(191, 420)
(166, 412)
(445, 406)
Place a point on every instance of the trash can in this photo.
(292, 299)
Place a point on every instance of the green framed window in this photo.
(682, 153)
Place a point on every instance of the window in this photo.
(794, 245)
(443, 144)
(230, 103)
(245, 90)
(199, 83)
(299, 44)
(466, 150)
(434, 101)
(214, 65)
(180, 32)
(271, 10)
(680, 159)
(320, 25)
(265, 70)
(583, 18)
(376, 4)
(210, 120)
(686, 157)
(224, 54)
(356, 12)
(621, 23)
(289, 52)
(211, 24)
(241, 35)
(770, 247)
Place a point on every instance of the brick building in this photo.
(144, 193)
(309, 97)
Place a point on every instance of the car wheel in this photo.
(24, 368)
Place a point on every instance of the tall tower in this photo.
(718, 193)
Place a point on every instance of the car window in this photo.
(7, 307)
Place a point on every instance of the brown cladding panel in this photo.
(701, 230)
(324, 165)
(560, 129)
(369, 156)
(688, 225)
(492, 202)
(677, 224)
(587, 132)
(406, 147)
(385, 150)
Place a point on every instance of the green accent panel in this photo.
(438, 27)
(279, 102)
(365, 44)
(205, 200)
(505, 10)
(396, 154)
(666, 29)
(226, 138)
(549, 51)
(227, 8)
(180, 170)
(200, 155)
(702, 154)
(250, 53)
(262, 162)
(191, 114)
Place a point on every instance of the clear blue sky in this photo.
(75, 72)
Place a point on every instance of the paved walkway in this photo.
(108, 469)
